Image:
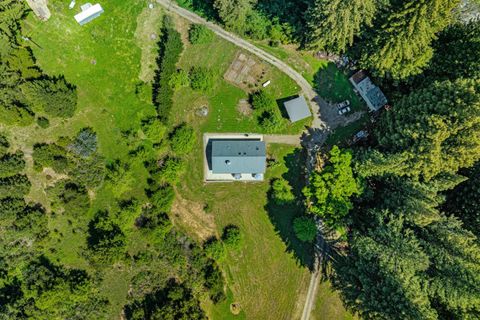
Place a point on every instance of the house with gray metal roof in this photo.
(238, 157)
(297, 109)
(372, 94)
(234, 157)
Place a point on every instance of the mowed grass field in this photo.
(106, 59)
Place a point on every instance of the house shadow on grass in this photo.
(282, 216)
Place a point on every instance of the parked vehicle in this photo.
(343, 110)
(343, 104)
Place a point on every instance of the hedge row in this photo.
(170, 48)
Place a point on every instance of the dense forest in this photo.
(405, 202)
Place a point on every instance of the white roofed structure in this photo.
(88, 13)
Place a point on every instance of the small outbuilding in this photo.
(372, 94)
(237, 157)
(89, 12)
(297, 109)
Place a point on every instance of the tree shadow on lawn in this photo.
(282, 216)
(333, 85)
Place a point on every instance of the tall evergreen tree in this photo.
(332, 24)
(234, 13)
(382, 278)
(402, 45)
(454, 272)
(457, 52)
(437, 129)
(464, 200)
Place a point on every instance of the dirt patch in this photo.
(51, 177)
(40, 8)
(147, 35)
(244, 107)
(245, 72)
(235, 308)
(193, 217)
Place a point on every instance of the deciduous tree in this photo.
(329, 192)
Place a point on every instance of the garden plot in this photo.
(245, 72)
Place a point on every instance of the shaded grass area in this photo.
(342, 135)
(334, 86)
(282, 216)
(328, 305)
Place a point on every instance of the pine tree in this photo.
(382, 277)
(332, 24)
(402, 45)
(464, 200)
(457, 52)
(437, 128)
(454, 272)
(234, 13)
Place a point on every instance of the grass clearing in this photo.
(223, 99)
(265, 276)
(329, 306)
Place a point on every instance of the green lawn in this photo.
(267, 275)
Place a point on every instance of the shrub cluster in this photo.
(202, 79)
(179, 79)
(200, 34)
(15, 186)
(55, 96)
(11, 164)
(282, 192)
(268, 114)
(232, 239)
(182, 139)
(305, 229)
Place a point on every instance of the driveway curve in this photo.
(307, 89)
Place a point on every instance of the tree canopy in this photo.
(329, 192)
(332, 25)
(433, 128)
(400, 42)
